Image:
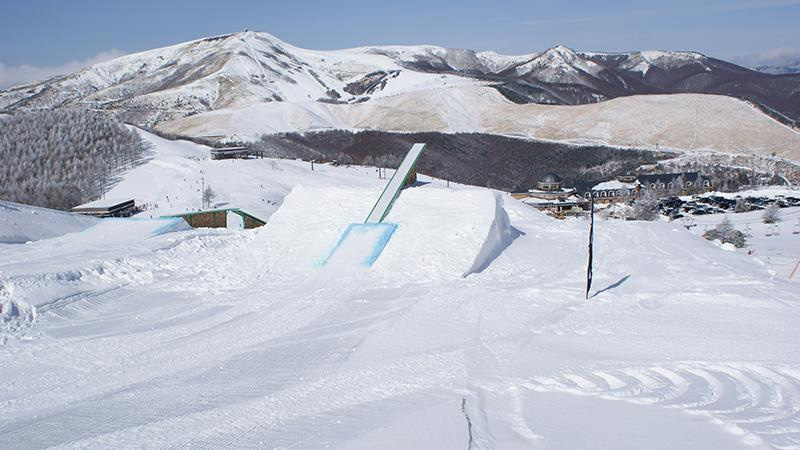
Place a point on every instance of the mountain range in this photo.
(237, 86)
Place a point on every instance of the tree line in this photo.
(64, 157)
(498, 162)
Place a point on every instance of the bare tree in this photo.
(208, 196)
(741, 206)
(726, 233)
(771, 214)
(646, 206)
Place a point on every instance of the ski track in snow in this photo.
(761, 403)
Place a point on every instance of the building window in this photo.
(707, 183)
(669, 185)
(653, 186)
(602, 193)
(618, 193)
(689, 184)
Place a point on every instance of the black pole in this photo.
(591, 239)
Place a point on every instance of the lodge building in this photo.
(552, 196)
(627, 187)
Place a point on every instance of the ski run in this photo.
(469, 331)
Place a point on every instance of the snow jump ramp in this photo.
(438, 232)
(362, 243)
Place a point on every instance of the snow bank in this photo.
(445, 233)
(22, 223)
(440, 232)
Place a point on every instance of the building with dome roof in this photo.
(550, 195)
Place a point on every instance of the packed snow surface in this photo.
(234, 338)
(23, 223)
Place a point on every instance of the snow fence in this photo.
(440, 232)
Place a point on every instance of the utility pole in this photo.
(202, 193)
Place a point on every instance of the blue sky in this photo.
(43, 36)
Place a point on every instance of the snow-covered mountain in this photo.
(239, 85)
(237, 70)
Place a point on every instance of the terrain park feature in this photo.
(362, 243)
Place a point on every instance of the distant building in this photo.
(549, 195)
(218, 218)
(234, 153)
(627, 187)
(107, 208)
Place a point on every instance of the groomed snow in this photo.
(23, 223)
(230, 338)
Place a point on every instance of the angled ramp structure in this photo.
(392, 189)
(362, 243)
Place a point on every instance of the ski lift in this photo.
(768, 232)
(776, 230)
(796, 228)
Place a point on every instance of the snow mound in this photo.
(22, 223)
(134, 229)
(16, 317)
(461, 235)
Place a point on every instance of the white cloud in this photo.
(774, 57)
(24, 73)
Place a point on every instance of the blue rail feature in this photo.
(360, 244)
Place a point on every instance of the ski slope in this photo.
(24, 223)
(235, 339)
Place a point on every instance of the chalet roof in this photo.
(613, 185)
(106, 203)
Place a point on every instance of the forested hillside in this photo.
(61, 158)
(498, 162)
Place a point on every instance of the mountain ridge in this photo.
(233, 87)
(241, 67)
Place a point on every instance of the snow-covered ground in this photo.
(776, 245)
(24, 223)
(147, 337)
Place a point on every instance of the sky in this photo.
(42, 38)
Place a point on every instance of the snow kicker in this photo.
(363, 243)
